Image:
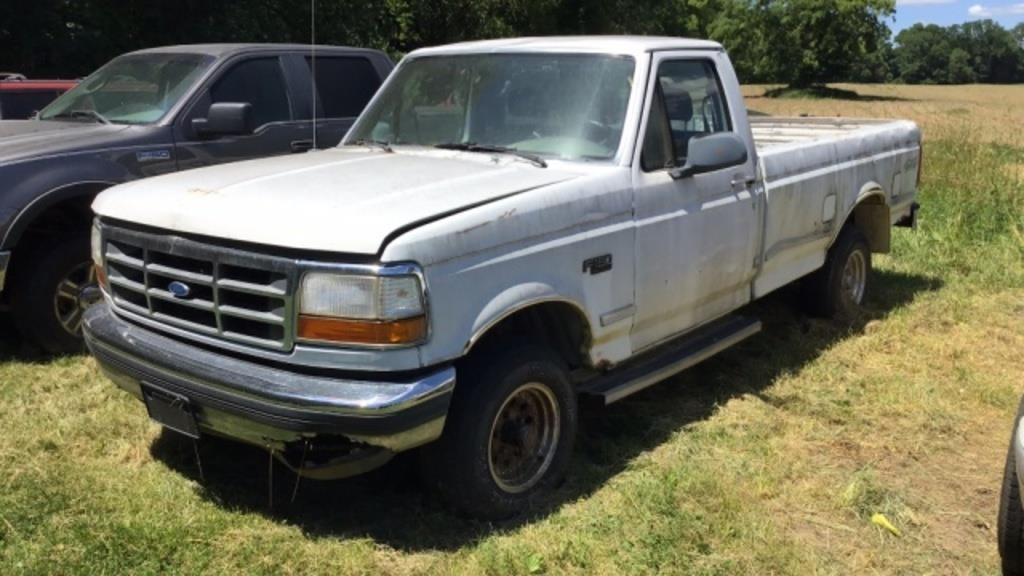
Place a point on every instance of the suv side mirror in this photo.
(712, 152)
(225, 119)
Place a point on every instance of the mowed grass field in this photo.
(771, 458)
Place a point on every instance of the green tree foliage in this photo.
(802, 42)
(981, 51)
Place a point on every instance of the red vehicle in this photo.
(20, 97)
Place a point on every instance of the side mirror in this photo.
(225, 119)
(712, 152)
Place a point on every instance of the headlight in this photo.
(361, 309)
(96, 243)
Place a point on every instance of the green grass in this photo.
(768, 459)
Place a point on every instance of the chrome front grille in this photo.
(222, 292)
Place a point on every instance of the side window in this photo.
(688, 102)
(344, 84)
(259, 82)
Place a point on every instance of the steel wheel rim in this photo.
(68, 305)
(854, 277)
(524, 438)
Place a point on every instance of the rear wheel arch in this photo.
(871, 215)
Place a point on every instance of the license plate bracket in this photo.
(170, 410)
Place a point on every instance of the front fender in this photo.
(512, 300)
(38, 186)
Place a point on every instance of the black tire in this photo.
(826, 292)
(475, 456)
(1011, 515)
(34, 291)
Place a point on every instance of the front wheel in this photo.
(46, 294)
(509, 434)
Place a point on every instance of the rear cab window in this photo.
(344, 84)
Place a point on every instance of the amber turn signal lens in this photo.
(346, 331)
(101, 275)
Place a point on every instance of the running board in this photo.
(670, 358)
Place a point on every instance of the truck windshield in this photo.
(131, 89)
(567, 106)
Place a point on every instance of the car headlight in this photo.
(96, 246)
(361, 309)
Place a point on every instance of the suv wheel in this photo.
(45, 294)
(509, 434)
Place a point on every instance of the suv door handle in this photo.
(736, 182)
(302, 145)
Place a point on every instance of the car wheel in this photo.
(838, 288)
(1011, 515)
(508, 436)
(45, 300)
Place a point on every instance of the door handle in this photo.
(302, 145)
(742, 182)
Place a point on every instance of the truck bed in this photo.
(815, 170)
(770, 131)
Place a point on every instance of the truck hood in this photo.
(340, 200)
(20, 139)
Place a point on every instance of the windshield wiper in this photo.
(474, 147)
(82, 114)
(383, 145)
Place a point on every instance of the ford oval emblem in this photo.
(179, 289)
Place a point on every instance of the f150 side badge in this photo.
(179, 289)
(153, 155)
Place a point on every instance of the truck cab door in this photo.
(695, 235)
(259, 81)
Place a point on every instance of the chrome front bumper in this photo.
(269, 405)
(5, 259)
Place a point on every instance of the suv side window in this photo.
(259, 82)
(344, 84)
(687, 102)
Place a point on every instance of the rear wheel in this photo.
(509, 433)
(838, 288)
(46, 294)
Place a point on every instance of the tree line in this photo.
(794, 42)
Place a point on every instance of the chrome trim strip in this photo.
(5, 259)
(618, 315)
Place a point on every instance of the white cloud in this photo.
(979, 11)
(923, 2)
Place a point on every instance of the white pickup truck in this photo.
(510, 225)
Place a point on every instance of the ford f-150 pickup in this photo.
(510, 226)
(145, 113)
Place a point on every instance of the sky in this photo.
(945, 12)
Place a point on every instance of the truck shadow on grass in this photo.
(389, 506)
